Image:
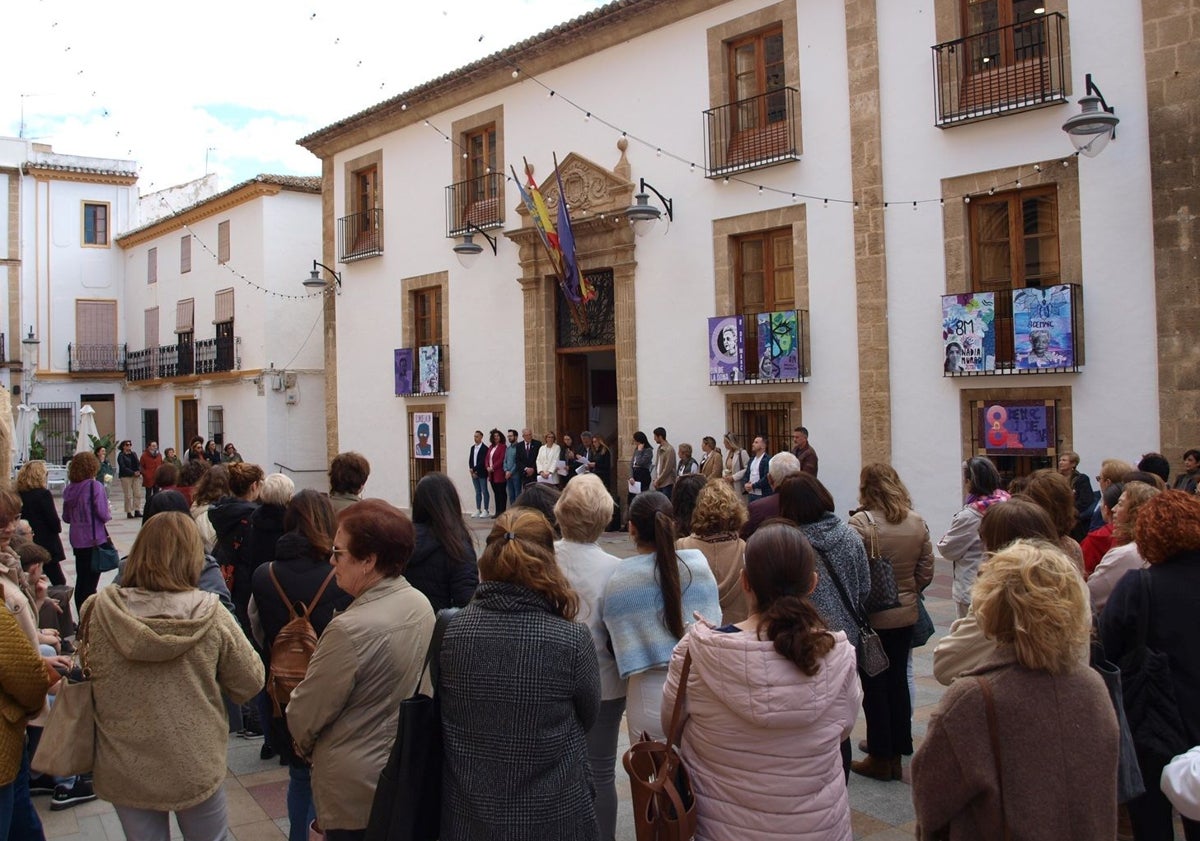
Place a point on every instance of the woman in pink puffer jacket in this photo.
(769, 701)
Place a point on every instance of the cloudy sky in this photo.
(167, 84)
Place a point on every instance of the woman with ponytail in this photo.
(648, 603)
(769, 700)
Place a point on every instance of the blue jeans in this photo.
(301, 809)
(18, 818)
(602, 755)
(514, 487)
(482, 494)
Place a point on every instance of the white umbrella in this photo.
(87, 429)
(27, 418)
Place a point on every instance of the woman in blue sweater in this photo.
(648, 604)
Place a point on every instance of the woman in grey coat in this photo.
(519, 688)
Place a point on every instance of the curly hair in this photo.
(1168, 524)
(718, 510)
(212, 485)
(1051, 490)
(520, 550)
(1135, 495)
(1031, 596)
(31, 475)
(880, 489)
(83, 466)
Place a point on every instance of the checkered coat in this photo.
(519, 688)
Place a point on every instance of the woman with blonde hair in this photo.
(1124, 554)
(890, 529)
(158, 636)
(37, 506)
(582, 511)
(519, 689)
(718, 517)
(997, 761)
(736, 461)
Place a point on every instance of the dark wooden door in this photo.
(572, 393)
(189, 414)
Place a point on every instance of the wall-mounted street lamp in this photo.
(1095, 125)
(469, 249)
(644, 215)
(315, 281)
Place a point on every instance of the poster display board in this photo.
(1042, 328)
(726, 349)
(968, 336)
(1017, 428)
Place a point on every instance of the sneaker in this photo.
(250, 731)
(41, 785)
(475, 516)
(128, 516)
(67, 796)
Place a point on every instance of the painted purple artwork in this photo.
(726, 353)
(1017, 427)
(404, 370)
(430, 373)
(778, 346)
(968, 338)
(1042, 328)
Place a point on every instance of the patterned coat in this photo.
(23, 684)
(519, 688)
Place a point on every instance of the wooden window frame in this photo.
(220, 295)
(772, 302)
(152, 335)
(83, 225)
(223, 242)
(185, 307)
(426, 306)
(185, 253)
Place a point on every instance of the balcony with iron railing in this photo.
(207, 356)
(476, 201)
(1014, 68)
(751, 133)
(759, 348)
(360, 235)
(95, 359)
(423, 371)
(1032, 330)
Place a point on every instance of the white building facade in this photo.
(818, 162)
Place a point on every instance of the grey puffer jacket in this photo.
(838, 546)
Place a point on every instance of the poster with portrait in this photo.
(422, 434)
(1042, 328)
(404, 370)
(726, 349)
(1017, 427)
(430, 377)
(778, 346)
(968, 337)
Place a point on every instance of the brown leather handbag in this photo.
(664, 808)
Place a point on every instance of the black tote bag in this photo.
(1129, 773)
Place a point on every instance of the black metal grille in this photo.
(1013, 68)
(1005, 343)
(418, 468)
(361, 234)
(57, 430)
(760, 369)
(773, 421)
(95, 358)
(443, 373)
(597, 328)
(477, 201)
(751, 133)
(219, 354)
(207, 356)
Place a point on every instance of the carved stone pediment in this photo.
(591, 189)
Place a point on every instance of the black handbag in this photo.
(872, 659)
(408, 799)
(1129, 773)
(1149, 690)
(885, 594)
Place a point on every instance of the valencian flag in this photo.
(540, 216)
(575, 286)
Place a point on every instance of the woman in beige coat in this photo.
(161, 652)
(716, 520)
(369, 658)
(890, 529)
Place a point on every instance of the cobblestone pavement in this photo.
(256, 790)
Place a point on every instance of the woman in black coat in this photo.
(37, 506)
(442, 565)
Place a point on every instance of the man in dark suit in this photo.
(527, 450)
(764, 508)
(477, 463)
(803, 451)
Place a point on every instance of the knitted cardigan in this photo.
(633, 608)
(23, 684)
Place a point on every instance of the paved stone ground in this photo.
(256, 790)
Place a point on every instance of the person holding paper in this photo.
(639, 467)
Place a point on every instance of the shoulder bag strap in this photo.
(320, 592)
(435, 647)
(279, 587)
(857, 614)
(989, 704)
(676, 730)
(874, 548)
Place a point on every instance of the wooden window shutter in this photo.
(96, 322)
(152, 327)
(185, 315)
(152, 266)
(185, 254)
(224, 307)
(223, 242)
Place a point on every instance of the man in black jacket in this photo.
(527, 450)
(129, 471)
(1081, 486)
(477, 462)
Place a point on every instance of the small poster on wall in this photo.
(422, 434)
(968, 338)
(726, 353)
(404, 370)
(431, 382)
(1042, 328)
(1017, 427)
(778, 346)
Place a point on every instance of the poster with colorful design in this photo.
(422, 434)
(968, 337)
(778, 346)
(430, 376)
(726, 349)
(1042, 328)
(1017, 427)
(404, 370)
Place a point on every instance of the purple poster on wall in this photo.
(1017, 427)
(404, 370)
(778, 346)
(726, 354)
(430, 373)
(1042, 328)
(968, 338)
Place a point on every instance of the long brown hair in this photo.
(880, 489)
(520, 550)
(779, 569)
(654, 518)
(311, 514)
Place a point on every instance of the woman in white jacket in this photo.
(961, 544)
(769, 701)
(548, 458)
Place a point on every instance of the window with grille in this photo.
(427, 316)
(185, 254)
(773, 421)
(216, 424)
(152, 266)
(764, 280)
(223, 242)
(95, 223)
(418, 468)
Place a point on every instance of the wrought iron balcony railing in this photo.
(1013, 68)
(220, 354)
(759, 348)
(1034, 330)
(207, 356)
(95, 359)
(751, 133)
(361, 234)
(477, 201)
(423, 370)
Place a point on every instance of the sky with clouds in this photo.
(170, 85)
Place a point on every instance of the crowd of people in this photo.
(776, 619)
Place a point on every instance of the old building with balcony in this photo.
(906, 256)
